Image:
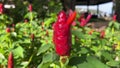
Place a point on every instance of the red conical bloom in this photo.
(10, 60)
(1, 8)
(62, 35)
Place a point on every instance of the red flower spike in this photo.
(30, 8)
(8, 30)
(10, 60)
(102, 34)
(71, 18)
(114, 17)
(62, 35)
(1, 8)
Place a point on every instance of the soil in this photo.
(98, 26)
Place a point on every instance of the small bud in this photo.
(102, 34)
(32, 36)
(8, 30)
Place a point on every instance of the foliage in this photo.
(30, 40)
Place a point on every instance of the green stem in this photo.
(31, 17)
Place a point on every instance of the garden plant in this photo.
(57, 40)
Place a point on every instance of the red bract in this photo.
(114, 17)
(1, 8)
(102, 34)
(70, 13)
(84, 21)
(71, 18)
(30, 8)
(62, 35)
(88, 18)
(10, 60)
(8, 30)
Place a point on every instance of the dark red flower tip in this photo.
(1, 8)
(8, 30)
(30, 7)
(10, 60)
(32, 36)
(102, 34)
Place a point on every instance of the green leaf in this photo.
(96, 63)
(92, 62)
(113, 63)
(78, 33)
(24, 64)
(49, 21)
(42, 65)
(116, 25)
(85, 65)
(43, 48)
(107, 55)
(47, 58)
(19, 52)
(84, 51)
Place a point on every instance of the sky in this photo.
(106, 7)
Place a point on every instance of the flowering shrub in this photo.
(41, 43)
